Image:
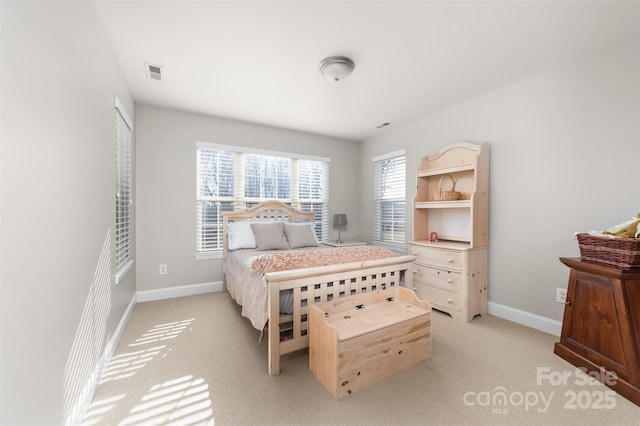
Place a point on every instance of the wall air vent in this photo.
(154, 72)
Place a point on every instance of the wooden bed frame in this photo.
(312, 285)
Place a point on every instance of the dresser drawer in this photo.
(440, 278)
(439, 297)
(441, 258)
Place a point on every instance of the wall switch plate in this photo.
(561, 295)
(163, 269)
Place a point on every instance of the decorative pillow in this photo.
(240, 236)
(270, 236)
(301, 234)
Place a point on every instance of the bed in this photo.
(276, 299)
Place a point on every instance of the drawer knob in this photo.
(450, 260)
(449, 301)
(449, 280)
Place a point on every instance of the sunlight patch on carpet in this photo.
(181, 401)
(163, 332)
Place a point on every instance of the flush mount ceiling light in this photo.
(336, 68)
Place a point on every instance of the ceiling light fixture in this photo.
(336, 68)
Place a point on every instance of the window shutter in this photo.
(390, 201)
(234, 179)
(123, 191)
(267, 177)
(312, 193)
(215, 191)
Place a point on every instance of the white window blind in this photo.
(234, 179)
(311, 192)
(124, 126)
(390, 201)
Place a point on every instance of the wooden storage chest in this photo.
(359, 340)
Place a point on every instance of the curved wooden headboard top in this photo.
(270, 210)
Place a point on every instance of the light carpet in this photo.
(195, 360)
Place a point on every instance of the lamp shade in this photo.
(339, 219)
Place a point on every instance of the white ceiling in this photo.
(258, 61)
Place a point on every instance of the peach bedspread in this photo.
(287, 260)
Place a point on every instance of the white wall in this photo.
(166, 182)
(565, 149)
(565, 146)
(59, 307)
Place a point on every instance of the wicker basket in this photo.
(621, 252)
(441, 195)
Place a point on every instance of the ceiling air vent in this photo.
(154, 72)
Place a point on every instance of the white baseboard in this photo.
(528, 319)
(179, 291)
(83, 403)
(117, 335)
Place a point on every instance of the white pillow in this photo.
(240, 236)
(301, 234)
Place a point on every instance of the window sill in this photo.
(123, 271)
(395, 247)
(208, 255)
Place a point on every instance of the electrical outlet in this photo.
(561, 295)
(163, 269)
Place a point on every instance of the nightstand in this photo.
(345, 243)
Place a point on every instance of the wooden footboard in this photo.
(322, 284)
(311, 285)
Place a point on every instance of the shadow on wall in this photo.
(85, 362)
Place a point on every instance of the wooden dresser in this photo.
(451, 236)
(601, 324)
(452, 276)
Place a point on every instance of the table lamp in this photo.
(339, 220)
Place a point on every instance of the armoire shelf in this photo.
(457, 204)
(445, 170)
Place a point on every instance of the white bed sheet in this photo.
(249, 290)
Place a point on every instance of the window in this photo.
(232, 178)
(390, 201)
(123, 191)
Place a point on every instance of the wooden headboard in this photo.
(271, 210)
